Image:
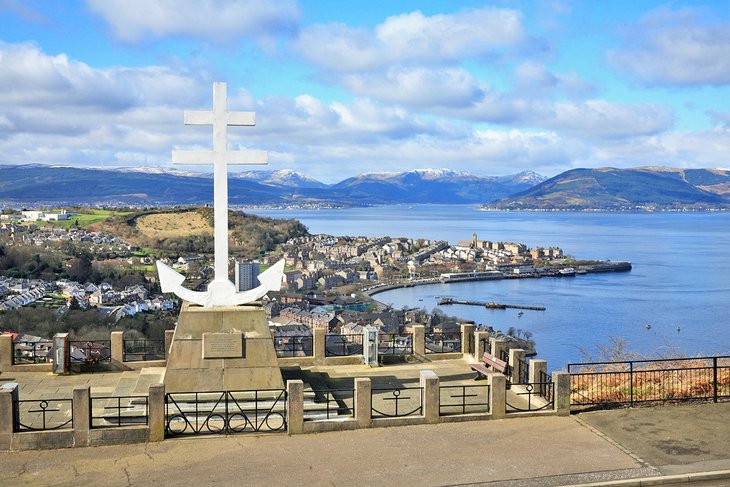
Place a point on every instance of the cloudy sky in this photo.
(489, 88)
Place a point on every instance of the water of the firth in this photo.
(680, 282)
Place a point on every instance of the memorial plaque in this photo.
(223, 345)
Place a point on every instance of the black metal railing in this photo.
(606, 384)
(470, 343)
(337, 345)
(42, 414)
(119, 411)
(397, 402)
(90, 352)
(546, 392)
(331, 404)
(466, 399)
(143, 349)
(25, 352)
(532, 396)
(486, 346)
(504, 357)
(523, 372)
(395, 344)
(225, 412)
(443, 342)
(294, 346)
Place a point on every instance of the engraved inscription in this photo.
(222, 345)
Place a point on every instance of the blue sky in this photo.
(488, 88)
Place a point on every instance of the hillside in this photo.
(190, 230)
(616, 189)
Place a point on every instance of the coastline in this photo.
(620, 266)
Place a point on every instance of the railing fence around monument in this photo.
(607, 384)
(463, 399)
(330, 404)
(225, 412)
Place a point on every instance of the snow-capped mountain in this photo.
(283, 177)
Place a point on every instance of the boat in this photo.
(569, 271)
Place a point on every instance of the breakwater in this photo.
(489, 304)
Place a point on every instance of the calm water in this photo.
(680, 276)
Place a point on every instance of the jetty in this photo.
(489, 304)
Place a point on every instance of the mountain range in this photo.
(576, 189)
(35, 183)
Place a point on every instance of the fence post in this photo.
(497, 395)
(6, 352)
(320, 342)
(429, 383)
(538, 372)
(419, 340)
(517, 361)
(561, 393)
(631, 384)
(117, 339)
(156, 412)
(168, 342)
(714, 378)
(295, 406)
(8, 417)
(81, 414)
(467, 337)
(481, 338)
(363, 402)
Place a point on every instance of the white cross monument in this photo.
(221, 291)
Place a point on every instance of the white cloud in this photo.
(221, 20)
(412, 38)
(676, 48)
(417, 87)
(532, 78)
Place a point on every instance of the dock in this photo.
(489, 304)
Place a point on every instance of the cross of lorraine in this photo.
(221, 291)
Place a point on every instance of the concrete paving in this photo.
(446, 454)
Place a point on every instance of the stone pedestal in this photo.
(222, 349)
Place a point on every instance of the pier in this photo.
(489, 304)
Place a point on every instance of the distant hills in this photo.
(650, 188)
(35, 183)
(659, 188)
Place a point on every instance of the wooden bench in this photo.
(491, 361)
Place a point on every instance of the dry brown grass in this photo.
(171, 225)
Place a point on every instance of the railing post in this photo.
(429, 383)
(467, 336)
(295, 406)
(631, 384)
(6, 352)
(561, 393)
(320, 341)
(168, 342)
(363, 402)
(714, 378)
(156, 412)
(419, 340)
(517, 360)
(537, 374)
(497, 395)
(81, 414)
(481, 338)
(8, 415)
(117, 339)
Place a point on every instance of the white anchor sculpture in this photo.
(221, 291)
